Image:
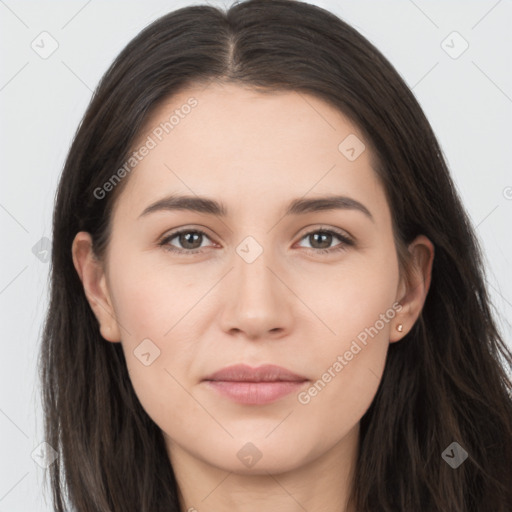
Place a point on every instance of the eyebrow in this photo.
(296, 207)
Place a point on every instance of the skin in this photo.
(292, 306)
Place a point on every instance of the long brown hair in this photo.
(445, 382)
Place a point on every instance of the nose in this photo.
(258, 302)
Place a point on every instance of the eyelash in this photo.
(341, 247)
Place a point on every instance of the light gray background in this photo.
(468, 101)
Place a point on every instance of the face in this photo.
(314, 290)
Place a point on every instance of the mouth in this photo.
(255, 386)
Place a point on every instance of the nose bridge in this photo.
(257, 302)
(254, 279)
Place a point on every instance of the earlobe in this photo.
(413, 292)
(91, 273)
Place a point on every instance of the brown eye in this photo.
(190, 241)
(321, 240)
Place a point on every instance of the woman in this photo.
(197, 355)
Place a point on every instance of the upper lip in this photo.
(264, 373)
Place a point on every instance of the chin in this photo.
(261, 457)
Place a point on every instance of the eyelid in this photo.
(173, 233)
(345, 238)
(313, 228)
(191, 227)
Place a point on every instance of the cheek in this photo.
(158, 347)
(151, 299)
(348, 370)
(158, 364)
(353, 297)
(359, 305)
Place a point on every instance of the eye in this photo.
(188, 238)
(324, 238)
(191, 241)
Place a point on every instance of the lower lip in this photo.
(255, 393)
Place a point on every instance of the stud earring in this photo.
(399, 327)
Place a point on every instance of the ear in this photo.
(92, 275)
(413, 292)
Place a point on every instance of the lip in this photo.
(255, 386)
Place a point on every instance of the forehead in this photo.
(232, 142)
